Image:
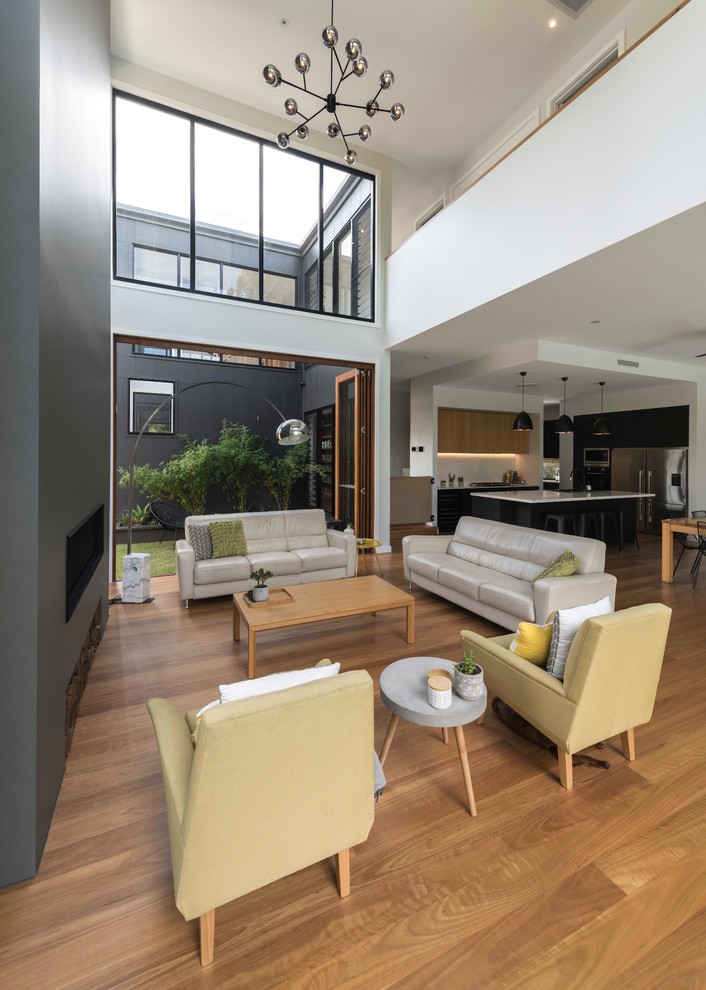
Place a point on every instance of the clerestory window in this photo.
(202, 208)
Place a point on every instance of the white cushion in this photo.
(567, 622)
(275, 682)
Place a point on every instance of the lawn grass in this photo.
(163, 557)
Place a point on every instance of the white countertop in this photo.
(537, 498)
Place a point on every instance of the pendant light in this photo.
(601, 426)
(523, 421)
(564, 424)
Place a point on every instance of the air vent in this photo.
(430, 214)
(571, 7)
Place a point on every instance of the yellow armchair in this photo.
(273, 784)
(609, 685)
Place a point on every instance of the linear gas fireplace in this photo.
(84, 549)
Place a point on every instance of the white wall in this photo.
(629, 153)
(635, 20)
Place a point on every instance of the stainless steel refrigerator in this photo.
(660, 470)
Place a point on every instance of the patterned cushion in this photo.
(567, 622)
(228, 538)
(565, 564)
(200, 540)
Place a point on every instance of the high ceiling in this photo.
(462, 68)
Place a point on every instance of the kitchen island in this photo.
(524, 508)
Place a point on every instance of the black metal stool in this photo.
(561, 522)
(617, 519)
(587, 519)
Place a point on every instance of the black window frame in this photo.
(300, 294)
(171, 409)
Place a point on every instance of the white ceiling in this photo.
(462, 68)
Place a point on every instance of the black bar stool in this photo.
(617, 519)
(587, 519)
(562, 522)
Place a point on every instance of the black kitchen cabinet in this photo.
(453, 503)
(551, 439)
(664, 427)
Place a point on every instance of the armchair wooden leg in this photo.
(627, 741)
(207, 932)
(566, 769)
(343, 872)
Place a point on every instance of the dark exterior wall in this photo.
(200, 412)
(320, 386)
(55, 61)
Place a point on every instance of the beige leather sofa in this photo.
(273, 784)
(488, 567)
(609, 686)
(296, 546)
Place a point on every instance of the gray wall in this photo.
(320, 386)
(55, 283)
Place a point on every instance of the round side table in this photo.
(361, 547)
(403, 689)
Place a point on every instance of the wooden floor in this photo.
(603, 887)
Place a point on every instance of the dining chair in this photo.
(700, 552)
(689, 541)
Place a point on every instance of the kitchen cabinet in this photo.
(452, 503)
(479, 431)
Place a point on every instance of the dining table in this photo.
(680, 524)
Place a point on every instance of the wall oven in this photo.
(596, 457)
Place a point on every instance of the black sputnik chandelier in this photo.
(355, 64)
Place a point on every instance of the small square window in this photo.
(146, 397)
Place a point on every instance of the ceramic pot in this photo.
(469, 686)
(260, 594)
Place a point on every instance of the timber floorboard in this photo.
(600, 888)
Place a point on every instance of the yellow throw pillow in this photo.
(532, 642)
(564, 565)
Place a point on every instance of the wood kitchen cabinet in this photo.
(479, 431)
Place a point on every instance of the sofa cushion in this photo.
(228, 538)
(512, 545)
(427, 565)
(464, 577)
(275, 682)
(305, 528)
(220, 569)
(280, 563)
(264, 531)
(321, 558)
(567, 622)
(200, 540)
(532, 642)
(509, 595)
(564, 565)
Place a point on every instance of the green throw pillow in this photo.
(228, 538)
(565, 564)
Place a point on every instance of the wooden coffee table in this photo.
(320, 602)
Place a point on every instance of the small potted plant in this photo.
(260, 592)
(468, 676)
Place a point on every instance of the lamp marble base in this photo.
(137, 568)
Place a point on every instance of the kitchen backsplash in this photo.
(475, 467)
